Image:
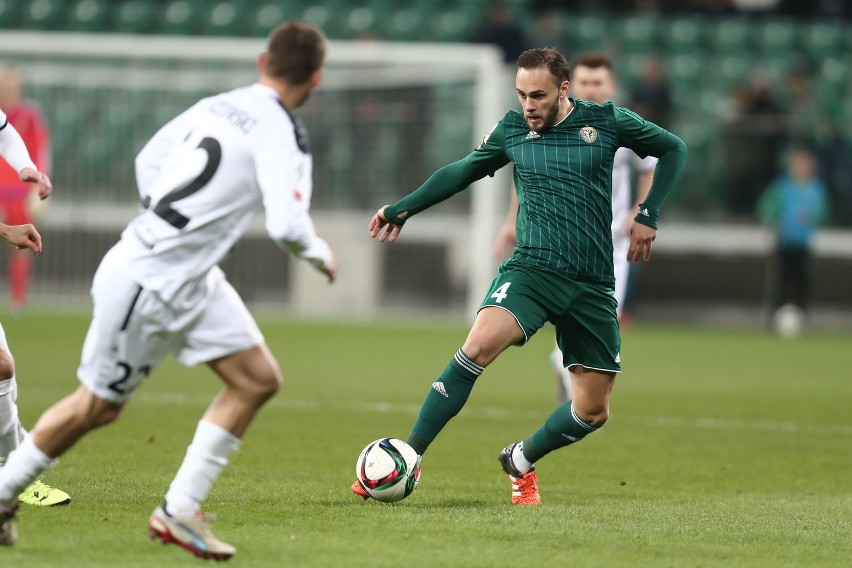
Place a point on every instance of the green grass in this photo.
(724, 449)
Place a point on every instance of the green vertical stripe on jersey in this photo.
(563, 177)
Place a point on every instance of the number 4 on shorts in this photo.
(501, 292)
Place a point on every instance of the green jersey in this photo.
(563, 177)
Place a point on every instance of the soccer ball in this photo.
(389, 469)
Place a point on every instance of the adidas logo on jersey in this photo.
(532, 135)
(439, 387)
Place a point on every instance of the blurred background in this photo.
(413, 85)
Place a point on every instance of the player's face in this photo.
(592, 84)
(539, 94)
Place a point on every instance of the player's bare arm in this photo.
(39, 180)
(507, 237)
(21, 237)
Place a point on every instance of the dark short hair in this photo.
(592, 61)
(547, 57)
(295, 51)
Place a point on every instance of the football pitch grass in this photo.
(724, 449)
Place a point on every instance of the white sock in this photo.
(9, 437)
(22, 468)
(205, 458)
(519, 460)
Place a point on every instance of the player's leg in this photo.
(12, 432)
(620, 246)
(493, 331)
(589, 338)
(511, 312)
(224, 335)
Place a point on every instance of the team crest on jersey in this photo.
(588, 134)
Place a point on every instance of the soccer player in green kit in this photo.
(562, 269)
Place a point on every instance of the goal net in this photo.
(385, 117)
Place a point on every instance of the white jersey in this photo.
(622, 201)
(12, 147)
(203, 178)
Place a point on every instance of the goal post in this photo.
(385, 117)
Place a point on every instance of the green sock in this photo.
(446, 397)
(562, 428)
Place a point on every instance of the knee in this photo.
(263, 385)
(102, 414)
(594, 414)
(7, 366)
(481, 352)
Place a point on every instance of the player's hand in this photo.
(505, 241)
(39, 180)
(641, 237)
(330, 268)
(21, 237)
(379, 222)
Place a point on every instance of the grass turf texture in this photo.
(724, 449)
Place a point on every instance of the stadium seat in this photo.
(776, 36)
(179, 17)
(730, 36)
(10, 14)
(455, 24)
(44, 14)
(733, 69)
(683, 35)
(589, 32)
(685, 71)
(637, 33)
(223, 18)
(267, 15)
(134, 17)
(89, 16)
(824, 38)
(403, 24)
(357, 22)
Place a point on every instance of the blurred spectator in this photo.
(549, 33)
(15, 194)
(755, 134)
(652, 96)
(795, 205)
(502, 30)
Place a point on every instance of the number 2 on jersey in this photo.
(164, 206)
(501, 292)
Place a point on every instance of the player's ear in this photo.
(563, 89)
(261, 63)
(316, 78)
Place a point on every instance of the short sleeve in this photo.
(3, 120)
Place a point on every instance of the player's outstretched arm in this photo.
(21, 237)
(40, 180)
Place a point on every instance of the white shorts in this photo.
(133, 329)
(620, 246)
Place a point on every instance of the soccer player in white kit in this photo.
(592, 80)
(202, 178)
(12, 432)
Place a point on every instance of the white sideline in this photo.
(499, 413)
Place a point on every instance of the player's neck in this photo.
(564, 110)
(289, 96)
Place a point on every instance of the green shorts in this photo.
(583, 313)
